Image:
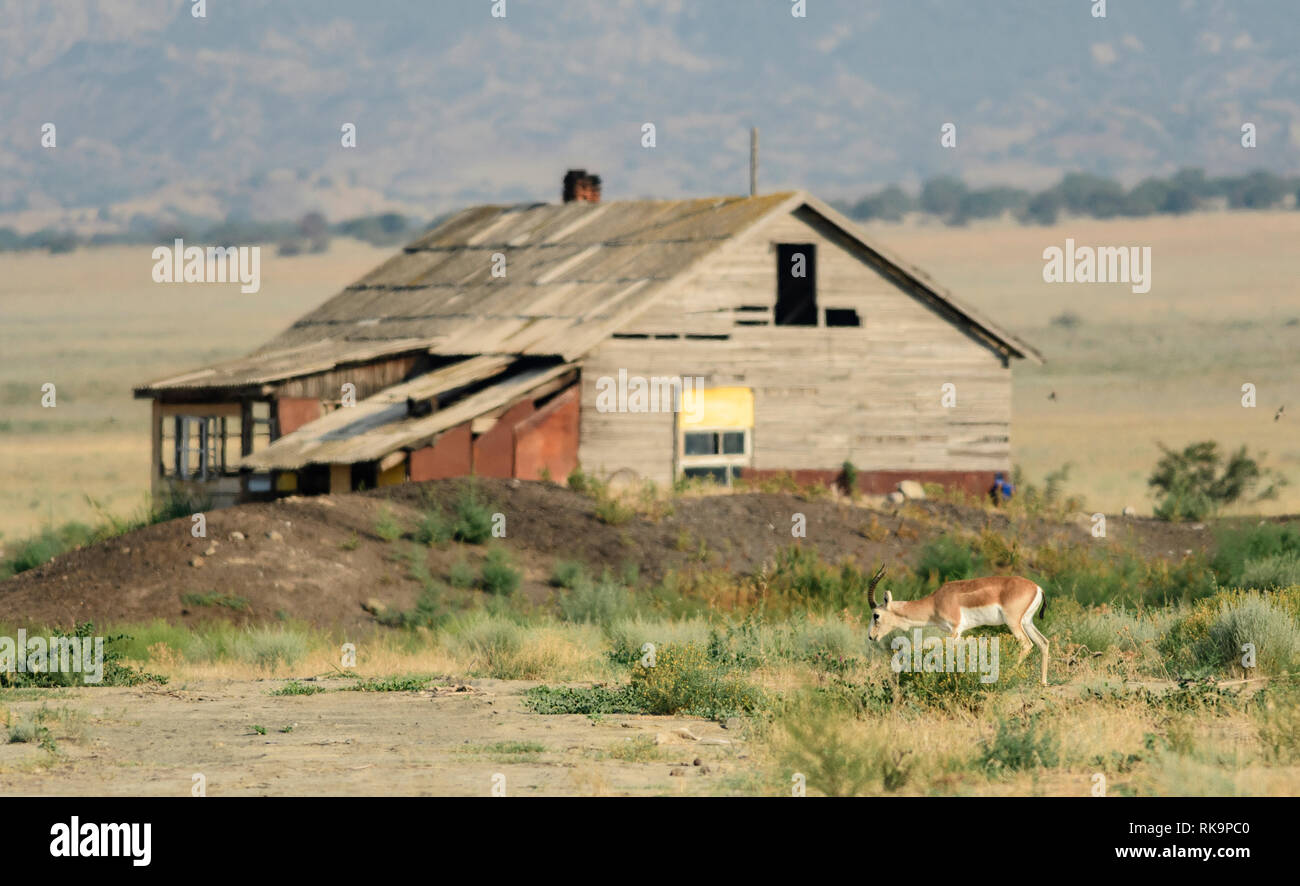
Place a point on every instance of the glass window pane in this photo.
(733, 443)
(701, 443)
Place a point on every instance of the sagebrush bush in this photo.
(498, 575)
(567, 574)
(1235, 546)
(1209, 637)
(838, 755)
(1021, 743)
(628, 636)
(599, 602)
(1101, 629)
(1272, 571)
(267, 647)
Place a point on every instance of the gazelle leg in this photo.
(1018, 632)
(1041, 642)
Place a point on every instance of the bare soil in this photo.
(449, 741)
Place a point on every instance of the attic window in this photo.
(796, 284)
(842, 317)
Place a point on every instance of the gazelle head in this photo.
(883, 620)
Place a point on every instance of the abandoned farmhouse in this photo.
(733, 337)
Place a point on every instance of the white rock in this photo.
(911, 489)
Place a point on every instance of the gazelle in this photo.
(960, 605)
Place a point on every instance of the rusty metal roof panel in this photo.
(381, 424)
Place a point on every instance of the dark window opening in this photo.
(796, 284)
(733, 443)
(842, 317)
(198, 447)
(701, 443)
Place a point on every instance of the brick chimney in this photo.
(580, 187)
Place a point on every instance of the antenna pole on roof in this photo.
(753, 161)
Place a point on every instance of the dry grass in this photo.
(1165, 366)
(94, 324)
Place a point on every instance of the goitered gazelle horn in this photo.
(871, 588)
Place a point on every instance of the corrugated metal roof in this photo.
(268, 366)
(380, 424)
(574, 273)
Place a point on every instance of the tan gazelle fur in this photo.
(960, 605)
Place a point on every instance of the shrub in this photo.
(269, 647)
(1021, 744)
(215, 598)
(114, 673)
(1100, 629)
(581, 700)
(583, 483)
(1196, 482)
(1210, 636)
(849, 478)
(473, 516)
(1277, 721)
(434, 528)
(837, 755)
(294, 687)
(430, 611)
(600, 603)
(628, 636)
(684, 681)
(1236, 546)
(386, 526)
(568, 574)
(946, 558)
(1275, 571)
(612, 511)
(498, 576)
(460, 575)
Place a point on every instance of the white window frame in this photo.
(742, 459)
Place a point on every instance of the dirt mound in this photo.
(319, 559)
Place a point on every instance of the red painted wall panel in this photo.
(293, 412)
(448, 457)
(494, 451)
(549, 439)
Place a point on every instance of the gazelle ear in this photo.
(889, 598)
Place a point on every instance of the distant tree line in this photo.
(311, 233)
(1078, 193)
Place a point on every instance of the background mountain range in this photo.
(238, 115)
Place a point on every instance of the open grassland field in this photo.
(1167, 366)
(95, 324)
(525, 656)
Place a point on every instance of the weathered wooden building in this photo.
(728, 337)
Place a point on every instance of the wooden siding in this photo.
(869, 394)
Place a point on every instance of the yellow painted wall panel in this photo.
(718, 408)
